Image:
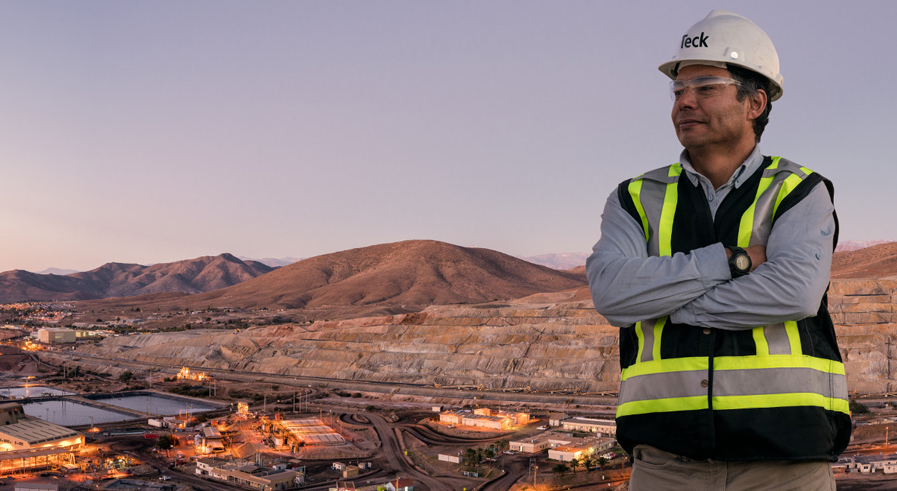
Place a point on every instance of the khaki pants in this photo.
(656, 470)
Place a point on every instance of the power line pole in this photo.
(533, 467)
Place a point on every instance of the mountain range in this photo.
(123, 280)
(407, 274)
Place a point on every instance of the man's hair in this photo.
(749, 82)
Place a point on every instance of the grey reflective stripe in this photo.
(727, 383)
(777, 339)
(766, 202)
(763, 207)
(786, 166)
(667, 385)
(653, 195)
(648, 340)
(764, 381)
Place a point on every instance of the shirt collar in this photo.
(744, 171)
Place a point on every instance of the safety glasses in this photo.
(701, 87)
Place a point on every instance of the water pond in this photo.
(68, 413)
(158, 405)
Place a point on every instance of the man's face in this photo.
(717, 121)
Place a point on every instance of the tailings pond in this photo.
(167, 405)
(110, 408)
(68, 413)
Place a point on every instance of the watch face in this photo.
(742, 262)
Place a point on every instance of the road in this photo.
(515, 468)
(392, 449)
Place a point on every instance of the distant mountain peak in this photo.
(273, 261)
(114, 279)
(408, 273)
(561, 261)
(57, 271)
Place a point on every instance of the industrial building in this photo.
(210, 441)
(562, 447)
(484, 418)
(591, 425)
(541, 442)
(311, 431)
(56, 335)
(566, 453)
(246, 474)
(28, 443)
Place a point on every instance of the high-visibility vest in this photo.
(775, 392)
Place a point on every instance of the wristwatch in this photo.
(739, 262)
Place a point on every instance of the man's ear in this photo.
(756, 103)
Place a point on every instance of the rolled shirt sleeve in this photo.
(628, 286)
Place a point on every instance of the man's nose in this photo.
(686, 99)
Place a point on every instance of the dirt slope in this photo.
(409, 273)
(879, 261)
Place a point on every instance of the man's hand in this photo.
(756, 252)
(758, 255)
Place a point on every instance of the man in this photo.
(716, 269)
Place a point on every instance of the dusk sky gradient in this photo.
(156, 131)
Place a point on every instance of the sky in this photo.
(156, 131)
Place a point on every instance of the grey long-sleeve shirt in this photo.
(697, 288)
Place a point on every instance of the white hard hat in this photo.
(724, 38)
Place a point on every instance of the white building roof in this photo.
(35, 431)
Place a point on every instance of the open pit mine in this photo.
(541, 343)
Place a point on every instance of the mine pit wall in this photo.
(564, 347)
(865, 317)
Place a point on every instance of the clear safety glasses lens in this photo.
(701, 87)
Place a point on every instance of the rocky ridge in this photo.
(189, 276)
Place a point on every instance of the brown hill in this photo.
(878, 261)
(406, 274)
(120, 280)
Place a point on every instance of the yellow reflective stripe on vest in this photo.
(778, 361)
(635, 190)
(746, 227)
(790, 183)
(648, 334)
(777, 339)
(760, 341)
(781, 400)
(658, 334)
(670, 202)
(793, 337)
(662, 406)
(667, 365)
